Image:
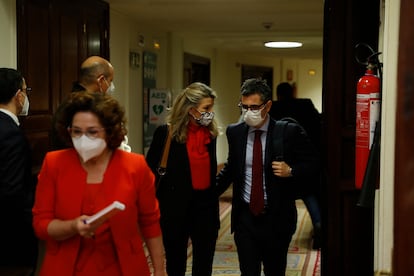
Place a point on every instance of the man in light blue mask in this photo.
(18, 250)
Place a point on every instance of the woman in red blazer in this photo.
(75, 183)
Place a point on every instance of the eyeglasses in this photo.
(27, 90)
(253, 107)
(90, 132)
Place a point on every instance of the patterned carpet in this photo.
(302, 260)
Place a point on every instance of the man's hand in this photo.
(281, 169)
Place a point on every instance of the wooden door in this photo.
(348, 230)
(404, 148)
(33, 59)
(53, 38)
(79, 29)
(196, 68)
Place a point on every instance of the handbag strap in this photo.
(277, 140)
(163, 164)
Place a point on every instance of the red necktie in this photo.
(257, 194)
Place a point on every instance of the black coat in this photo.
(18, 243)
(175, 193)
(299, 153)
(303, 111)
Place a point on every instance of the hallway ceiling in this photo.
(234, 25)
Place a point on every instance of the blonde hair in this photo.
(178, 117)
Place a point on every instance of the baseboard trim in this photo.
(383, 273)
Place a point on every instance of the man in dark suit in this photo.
(305, 113)
(18, 245)
(300, 109)
(262, 234)
(96, 75)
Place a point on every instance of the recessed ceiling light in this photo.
(282, 44)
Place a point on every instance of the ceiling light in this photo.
(282, 44)
(157, 45)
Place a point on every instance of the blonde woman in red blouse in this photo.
(188, 200)
(75, 183)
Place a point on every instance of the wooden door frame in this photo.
(404, 147)
(348, 246)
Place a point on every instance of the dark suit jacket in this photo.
(18, 244)
(175, 192)
(299, 153)
(303, 111)
(55, 140)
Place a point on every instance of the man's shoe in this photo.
(317, 237)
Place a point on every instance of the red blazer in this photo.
(59, 192)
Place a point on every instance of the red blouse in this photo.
(96, 256)
(197, 139)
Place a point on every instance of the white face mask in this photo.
(253, 118)
(25, 109)
(88, 148)
(111, 89)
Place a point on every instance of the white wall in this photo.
(384, 199)
(309, 85)
(126, 79)
(8, 41)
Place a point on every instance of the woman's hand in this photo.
(64, 229)
(82, 228)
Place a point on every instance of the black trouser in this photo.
(201, 227)
(18, 247)
(259, 241)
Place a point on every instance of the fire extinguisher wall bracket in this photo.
(368, 104)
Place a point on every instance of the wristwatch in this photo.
(290, 171)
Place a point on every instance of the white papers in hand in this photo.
(106, 212)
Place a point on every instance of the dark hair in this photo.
(11, 81)
(256, 86)
(284, 91)
(109, 112)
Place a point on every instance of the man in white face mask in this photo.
(96, 75)
(264, 176)
(18, 250)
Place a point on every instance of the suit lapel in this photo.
(244, 131)
(268, 149)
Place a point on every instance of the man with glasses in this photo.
(18, 245)
(264, 161)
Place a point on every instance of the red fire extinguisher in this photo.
(367, 115)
